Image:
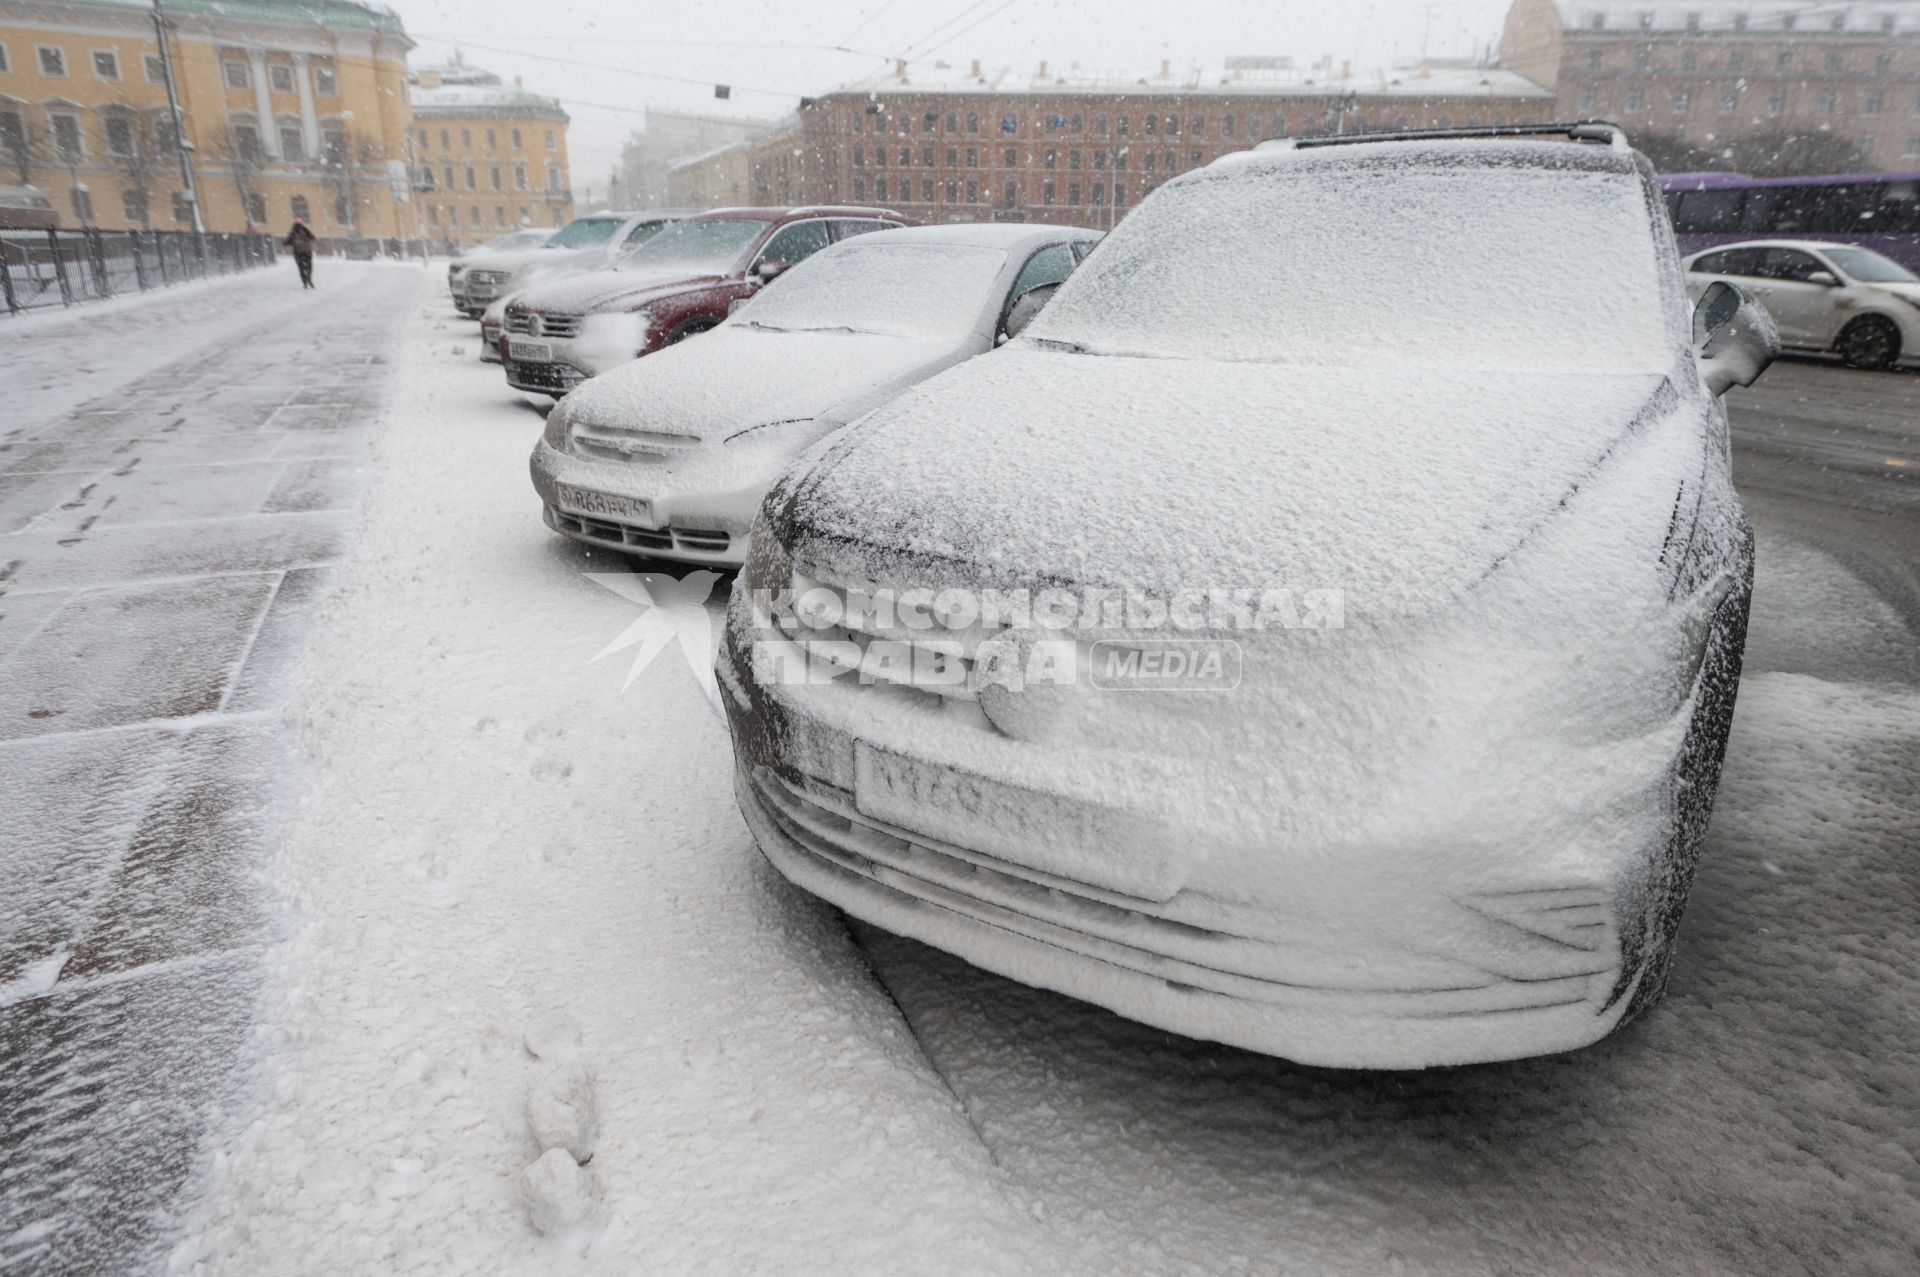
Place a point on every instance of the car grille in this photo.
(686, 540)
(521, 322)
(487, 277)
(543, 376)
(861, 628)
(625, 445)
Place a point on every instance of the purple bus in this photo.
(1880, 211)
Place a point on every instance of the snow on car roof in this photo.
(983, 234)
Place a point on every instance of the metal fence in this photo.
(42, 268)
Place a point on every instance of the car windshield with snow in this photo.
(681, 283)
(672, 455)
(1317, 631)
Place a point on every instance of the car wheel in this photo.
(1871, 342)
(692, 328)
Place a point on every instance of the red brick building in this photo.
(1067, 148)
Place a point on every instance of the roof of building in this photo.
(457, 88)
(1759, 18)
(331, 13)
(1281, 78)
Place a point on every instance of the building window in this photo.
(553, 181)
(1226, 130)
(495, 178)
(290, 144)
(342, 215)
(1833, 64)
(445, 145)
(1784, 62)
(246, 141)
(1865, 143)
(1046, 193)
(926, 190)
(951, 191)
(156, 69)
(1883, 64)
(118, 128)
(1593, 60)
(301, 210)
(1636, 100)
(1729, 101)
(859, 157)
(1120, 125)
(466, 139)
(68, 141)
(433, 214)
(1736, 61)
(1872, 104)
(879, 188)
(82, 203)
(473, 183)
(1073, 194)
(1010, 157)
(106, 64)
(1151, 125)
(325, 82)
(280, 76)
(1823, 104)
(550, 145)
(973, 122)
(182, 210)
(973, 157)
(973, 190)
(133, 205)
(1682, 101)
(519, 177)
(475, 218)
(1050, 160)
(1913, 147)
(500, 218)
(237, 75)
(5, 65)
(491, 144)
(1640, 61)
(1073, 159)
(447, 173)
(953, 157)
(1153, 160)
(425, 180)
(1688, 60)
(257, 209)
(859, 188)
(53, 61)
(516, 139)
(1777, 103)
(333, 145)
(1010, 193)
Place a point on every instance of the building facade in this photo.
(1068, 150)
(667, 138)
(488, 157)
(289, 111)
(1826, 88)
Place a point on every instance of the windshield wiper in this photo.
(754, 323)
(1054, 343)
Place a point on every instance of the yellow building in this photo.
(487, 158)
(291, 108)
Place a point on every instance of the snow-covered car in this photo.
(677, 285)
(1318, 631)
(1840, 298)
(493, 321)
(493, 251)
(586, 243)
(670, 456)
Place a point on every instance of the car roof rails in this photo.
(1576, 131)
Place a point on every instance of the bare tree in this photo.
(351, 163)
(25, 143)
(140, 161)
(242, 158)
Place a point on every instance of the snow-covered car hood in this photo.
(1400, 488)
(736, 377)
(608, 290)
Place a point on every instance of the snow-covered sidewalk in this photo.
(520, 892)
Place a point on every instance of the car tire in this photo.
(692, 328)
(1871, 342)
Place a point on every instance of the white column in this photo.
(263, 102)
(309, 121)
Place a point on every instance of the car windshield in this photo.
(904, 290)
(1869, 267)
(584, 231)
(695, 247)
(519, 239)
(1417, 264)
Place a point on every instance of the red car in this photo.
(680, 282)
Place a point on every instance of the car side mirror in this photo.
(1824, 277)
(771, 268)
(1734, 338)
(1024, 308)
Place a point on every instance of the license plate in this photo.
(1103, 847)
(608, 504)
(529, 352)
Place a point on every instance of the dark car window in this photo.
(1081, 247)
(1707, 212)
(797, 242)
(1048, 266)
(643, 232)
(848, 227)
(1732, 261)
(1788, 264)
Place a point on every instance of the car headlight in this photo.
(555, 435)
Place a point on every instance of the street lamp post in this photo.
(181, 146)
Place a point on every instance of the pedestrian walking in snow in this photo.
(300, 240)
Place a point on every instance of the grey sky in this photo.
(712, 41)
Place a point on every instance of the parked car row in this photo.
(1309, 617)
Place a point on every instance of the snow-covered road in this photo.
(513, 908)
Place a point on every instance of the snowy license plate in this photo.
(612, 506)
(1100, 846)
(529, 352)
